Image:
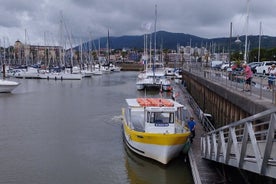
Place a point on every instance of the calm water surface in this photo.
(69, 132)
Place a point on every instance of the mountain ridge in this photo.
(169, 40)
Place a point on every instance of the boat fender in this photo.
(186, 147)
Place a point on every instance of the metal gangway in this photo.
(247, 144)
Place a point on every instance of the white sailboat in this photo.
(154, 76)
(7, 86)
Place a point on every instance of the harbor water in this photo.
(68, 132)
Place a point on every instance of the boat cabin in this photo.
(160, 120)
(156, 116)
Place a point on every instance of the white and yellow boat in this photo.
(154, 128)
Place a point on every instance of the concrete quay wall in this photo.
(225, 104)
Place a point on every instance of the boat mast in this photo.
(81, 62)
(145, 52)
(71, 46)
(25, 49)
(155, 33)
(246, 33)
(154, 59)
(260, 35)
(61, 46)
(230, 44)
(108, 54)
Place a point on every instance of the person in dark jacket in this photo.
(192, 126)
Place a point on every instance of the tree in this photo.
(271, 54)
(253, 55)
(236, 56)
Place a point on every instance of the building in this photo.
(36, 54)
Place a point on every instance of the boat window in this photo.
(171, 118)
(179, 114)
(150, 117)
(160, 117)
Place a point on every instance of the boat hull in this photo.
(140, 86)
(7, 86)
(61, 76)
(160, 147)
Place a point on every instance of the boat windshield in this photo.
(160, 117)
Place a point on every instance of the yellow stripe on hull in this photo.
(156, 138)
(160, 147)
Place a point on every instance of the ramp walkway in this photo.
(247, 144)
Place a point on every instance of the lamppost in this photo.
(238, 42)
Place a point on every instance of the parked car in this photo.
(217, 67)
(225, 65)
(264, 67)
(236, 70)
(216, 63)
(253, 66)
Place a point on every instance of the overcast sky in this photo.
(91, 19)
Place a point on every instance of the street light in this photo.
(238, 41)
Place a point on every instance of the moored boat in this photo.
(155, 128)
(61, 76)
(6, 86)
(153, 78)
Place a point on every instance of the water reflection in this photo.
(142, 170)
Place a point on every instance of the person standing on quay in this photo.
(248, 76)
(192, 125)
(271, 77)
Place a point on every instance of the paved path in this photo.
(203, 170)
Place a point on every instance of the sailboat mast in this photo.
(246, 33)
(260, 35)
(108, 54)
(71, 53)
(144, 58)
(150, 41)
(61, 52)
(99, 47)
(25, 49)
(81, 62)
(155, 33)
(230, 43)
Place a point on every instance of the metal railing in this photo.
(235, 83)
(248, 144)
(205, 122)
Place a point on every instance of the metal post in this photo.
(261, 88)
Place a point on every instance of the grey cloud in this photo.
(92, 18)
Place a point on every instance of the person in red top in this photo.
(248, 76)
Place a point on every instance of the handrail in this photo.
(222, 77)
(248, 144)
(207, 125)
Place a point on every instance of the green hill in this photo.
(168, 40)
